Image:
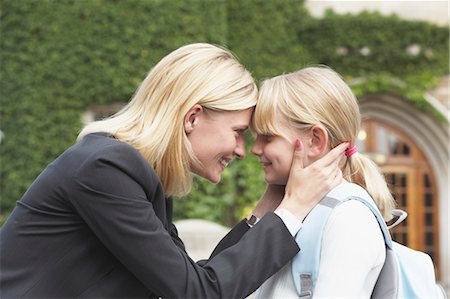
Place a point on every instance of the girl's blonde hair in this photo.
(152, 121)
(319, 96)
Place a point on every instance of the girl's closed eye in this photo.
(267, 138)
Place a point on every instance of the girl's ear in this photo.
(191, 118)
(318, 142)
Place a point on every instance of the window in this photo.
(410, 179)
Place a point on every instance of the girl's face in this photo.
(216, 138)
(275, 154)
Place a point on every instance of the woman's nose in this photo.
(239, 151)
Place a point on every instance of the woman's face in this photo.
(216, 138)
(275, 154)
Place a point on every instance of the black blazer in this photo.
(96, 223)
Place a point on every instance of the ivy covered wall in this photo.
(60, 58)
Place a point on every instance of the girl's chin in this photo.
(268, 179)
(275, 181)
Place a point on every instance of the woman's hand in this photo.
(306, 186)
(270, 200)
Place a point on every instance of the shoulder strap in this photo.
(305, 264)
(360, 194)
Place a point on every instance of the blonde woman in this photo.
(316, 105)
(97, 222)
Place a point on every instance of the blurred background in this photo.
(65, 63)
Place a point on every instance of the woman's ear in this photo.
(191, 118)
(319, 141)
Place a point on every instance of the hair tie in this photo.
(351, 150)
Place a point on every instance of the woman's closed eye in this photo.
(239, 132)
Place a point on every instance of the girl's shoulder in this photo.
(354, 209)
(355, 219)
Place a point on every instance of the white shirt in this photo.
(293, 224)
(352, 255)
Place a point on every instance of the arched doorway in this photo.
(412, 182)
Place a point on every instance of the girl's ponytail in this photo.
(364, 172)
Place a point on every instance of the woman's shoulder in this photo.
(99, 149)
(104, 142)
(104, 160)
(96, 146)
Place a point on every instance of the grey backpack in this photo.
(406, 273)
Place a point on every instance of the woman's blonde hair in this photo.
(152, 121)
(319, 96)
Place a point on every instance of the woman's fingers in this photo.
(333, 156)
(336, 179)
(307, 185)
(327, 166)
(299, 153)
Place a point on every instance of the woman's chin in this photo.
(215, 181)
(213, 178)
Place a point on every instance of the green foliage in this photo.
(339, 41)
(59, 58)
(263, 34)
(390, 54)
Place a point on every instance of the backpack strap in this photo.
(388, 283)
(305, 265)
(384, 229)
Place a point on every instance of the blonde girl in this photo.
(319, 107)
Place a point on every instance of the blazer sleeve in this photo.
(231, 238)
(176, 239)
(110, 197)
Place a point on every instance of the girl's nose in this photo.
(257, 147)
